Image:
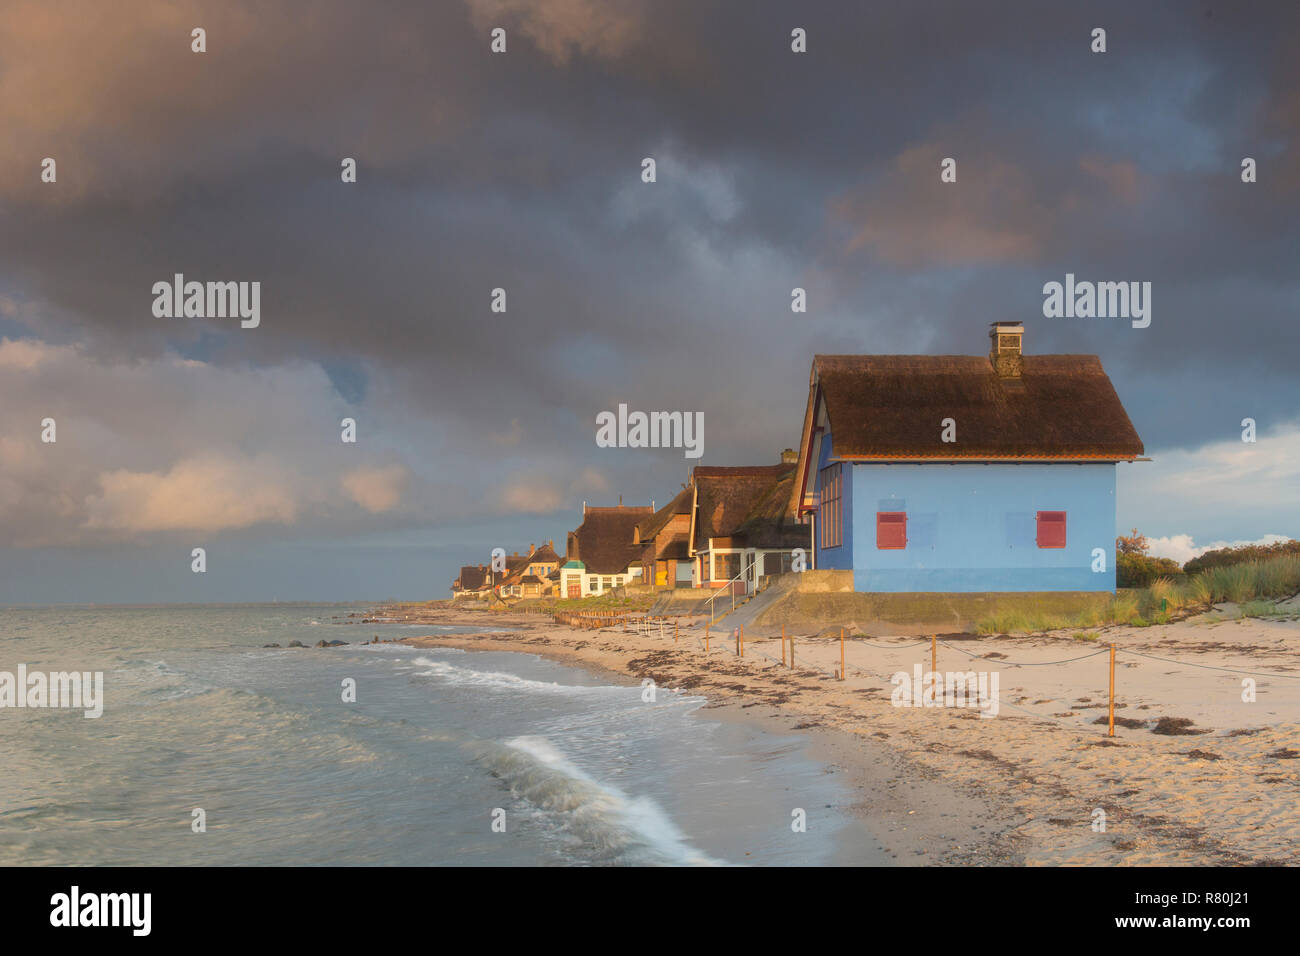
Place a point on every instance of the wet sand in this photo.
(1213, 784)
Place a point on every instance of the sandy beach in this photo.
(1193, 776)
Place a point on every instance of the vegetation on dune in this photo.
(1134, 568)
(1254, 586)
(1245, 554)
(1140, 570)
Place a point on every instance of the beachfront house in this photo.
(728, 525)
(743, 527)
(506, 583)
(526, 574)
(600, 555)
(664, 540)
(472, 581)
(964, 473)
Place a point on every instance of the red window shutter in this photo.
(891, 530)
(1051, 529)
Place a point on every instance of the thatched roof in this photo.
(603, 542)
(746, 501)
(515, 561)
(647, 528)
(891, 406)
(472, 577)
(544, 555)
(770, 523)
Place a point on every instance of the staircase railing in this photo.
(730, 587)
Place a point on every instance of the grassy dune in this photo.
(1254, 586)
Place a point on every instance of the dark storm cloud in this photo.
(775, 170)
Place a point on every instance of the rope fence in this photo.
(734, 643)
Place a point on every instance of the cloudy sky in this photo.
(522, 171)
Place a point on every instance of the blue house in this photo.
(964, 473)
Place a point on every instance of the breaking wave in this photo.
(601, 823)
(502, 681)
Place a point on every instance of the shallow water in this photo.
(438, 744)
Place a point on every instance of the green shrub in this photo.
(1139, 570)
(1224, 557)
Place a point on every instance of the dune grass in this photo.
(1254, 586)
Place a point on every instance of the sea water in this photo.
(446, 757)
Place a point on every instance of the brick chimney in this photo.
(789, 456)
(1005, 348)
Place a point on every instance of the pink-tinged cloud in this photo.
(908, 217)
(197, 494)
(561, 28)
(1121, 178)
(533, 497)
(996, 211)
(115, 95)
(376, 489)
(542, 495)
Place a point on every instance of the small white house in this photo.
(601, 554)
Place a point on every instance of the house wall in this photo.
(839, 558)
(568, 576)
(971, 527)
(759, 561)
(594, 584)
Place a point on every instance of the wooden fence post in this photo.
(1111, 731)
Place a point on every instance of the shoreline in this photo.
(916, 819)
(945, 787)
